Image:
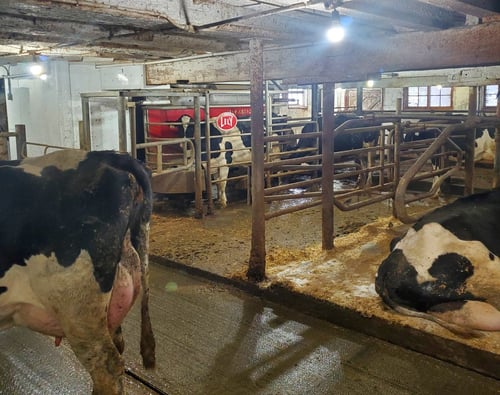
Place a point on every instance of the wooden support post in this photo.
(327, 167)
(21, 148)
(85, 137)
(257, 262)
(469, 145)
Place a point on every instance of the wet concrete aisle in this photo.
(213, 339)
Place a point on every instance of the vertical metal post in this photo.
(469, 145)
(257, 262)
(198, 202)
(122, 124)
(268, 127)
(208, 154)
(496, 163)
(133, 131)
(396, 175)
(315, 102)
(327, 166)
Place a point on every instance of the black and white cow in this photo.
(227, 148)
(484, 145)
(74, 232)
(446, 268)
(343, 142)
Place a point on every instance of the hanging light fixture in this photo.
(336, 32)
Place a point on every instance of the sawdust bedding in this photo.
(344, 276)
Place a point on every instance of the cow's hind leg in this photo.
(223, 174)
(95, 349)
(469, 314)
(118, 340)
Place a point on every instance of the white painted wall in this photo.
(51, 110)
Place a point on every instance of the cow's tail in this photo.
(141, 228)
(454, 328)
(148, 344)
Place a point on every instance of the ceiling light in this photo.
(36, 69)
(336, 32)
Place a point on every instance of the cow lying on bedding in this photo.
(74, 232)
(447, 266)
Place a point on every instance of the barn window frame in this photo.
(490, 94)
(425, 98)
(373, 100)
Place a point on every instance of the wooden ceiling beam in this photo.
(353, 61)
(477, 8)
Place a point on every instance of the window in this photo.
(372, 99)
(490, 96)
(346, 99)
(297, 98)
(428, 98)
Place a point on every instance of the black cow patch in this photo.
(65, 212)
(229, 153)
(398, 280)
(451, 269)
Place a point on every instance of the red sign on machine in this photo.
(226, 120)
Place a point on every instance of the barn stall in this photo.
(285, 265)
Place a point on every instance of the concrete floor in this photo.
(214, 339)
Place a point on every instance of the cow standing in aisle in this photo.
(446, 268)
(74, 254)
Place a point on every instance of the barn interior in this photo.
(119, 74)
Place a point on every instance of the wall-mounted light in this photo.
(336, 32)
(370, 83)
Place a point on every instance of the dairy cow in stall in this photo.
(343, 142)
(74, 254)
(229, 147)
(446, 268)
(484, 145)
